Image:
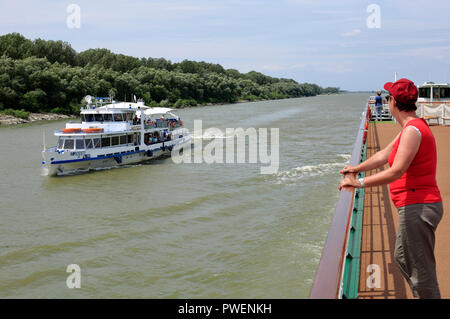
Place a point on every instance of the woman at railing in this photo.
(412, 159)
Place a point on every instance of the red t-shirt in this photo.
(418, 183)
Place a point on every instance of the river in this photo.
(189, 230)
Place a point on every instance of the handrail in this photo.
(328, 277)
(434, 102)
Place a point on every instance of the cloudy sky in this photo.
(328, 42)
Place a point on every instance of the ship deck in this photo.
(380, 223)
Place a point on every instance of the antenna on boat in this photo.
(88, 100)
(111, 95)
(395, 77)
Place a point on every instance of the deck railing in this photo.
(329, 276)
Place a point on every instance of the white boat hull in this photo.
(64, 166)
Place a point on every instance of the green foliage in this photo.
(43, 76)
(180, 103)
(16, 113)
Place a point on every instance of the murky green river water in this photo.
(167, 230)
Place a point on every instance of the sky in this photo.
(356, 45)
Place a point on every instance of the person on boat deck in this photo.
(413, 189)
(379, 106)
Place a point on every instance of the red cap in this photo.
(403, 91)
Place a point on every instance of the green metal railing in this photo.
(351, 270)
(328, 281)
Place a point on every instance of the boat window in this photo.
(97, 143)
(445, 93)
(80, 144)
(118, 117)
(424, 92)
(89, 117)
(115, 140)
(68, 144)
(129, 117)
(130, 138)
(106, 141)
(107, 117)
(89, 143)
(123, 139)
(60, 143)
(99, 117)
(436, 93)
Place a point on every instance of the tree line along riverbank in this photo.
(40, 76)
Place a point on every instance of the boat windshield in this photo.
(424, 92)
(438, 92)
(80, 144)
(60, 143)
(69, 144)
(118, 117)
(107, 117)
(443, 92)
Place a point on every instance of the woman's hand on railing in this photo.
(349, 169)
(349, 182)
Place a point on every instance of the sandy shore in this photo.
(34, 117)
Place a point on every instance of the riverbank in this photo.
(33, 117)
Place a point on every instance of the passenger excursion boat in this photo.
(433, 102)
(114, 134)
(434, 93)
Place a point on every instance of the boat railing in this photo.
(329, 275)
(51, 149)
(431, 103)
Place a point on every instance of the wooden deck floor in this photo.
(380, 224)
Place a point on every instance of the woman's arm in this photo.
(407, 150)
(377, 160)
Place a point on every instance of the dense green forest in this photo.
(50, 76)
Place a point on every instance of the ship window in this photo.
(436, 93)
(96, 142)
(89, 117)
(99, 117)
(123, 139)
(424, 92)
(106, 141)
(68, 144)
(129, 117)
(115, 140)
(80, 144)
(130, 138)
(89, 143)
(118, 117)
(445, 93)
(60, 143)
(107, 117)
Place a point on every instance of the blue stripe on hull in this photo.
(100, 157)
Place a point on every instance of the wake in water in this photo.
(297, 173)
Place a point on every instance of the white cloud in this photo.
(430, 53)
(352, 33)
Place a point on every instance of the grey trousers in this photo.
(414, 247)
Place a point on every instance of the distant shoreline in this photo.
(34, 117)
(7, 120)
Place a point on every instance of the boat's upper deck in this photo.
(380, 222)
(357, 259)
